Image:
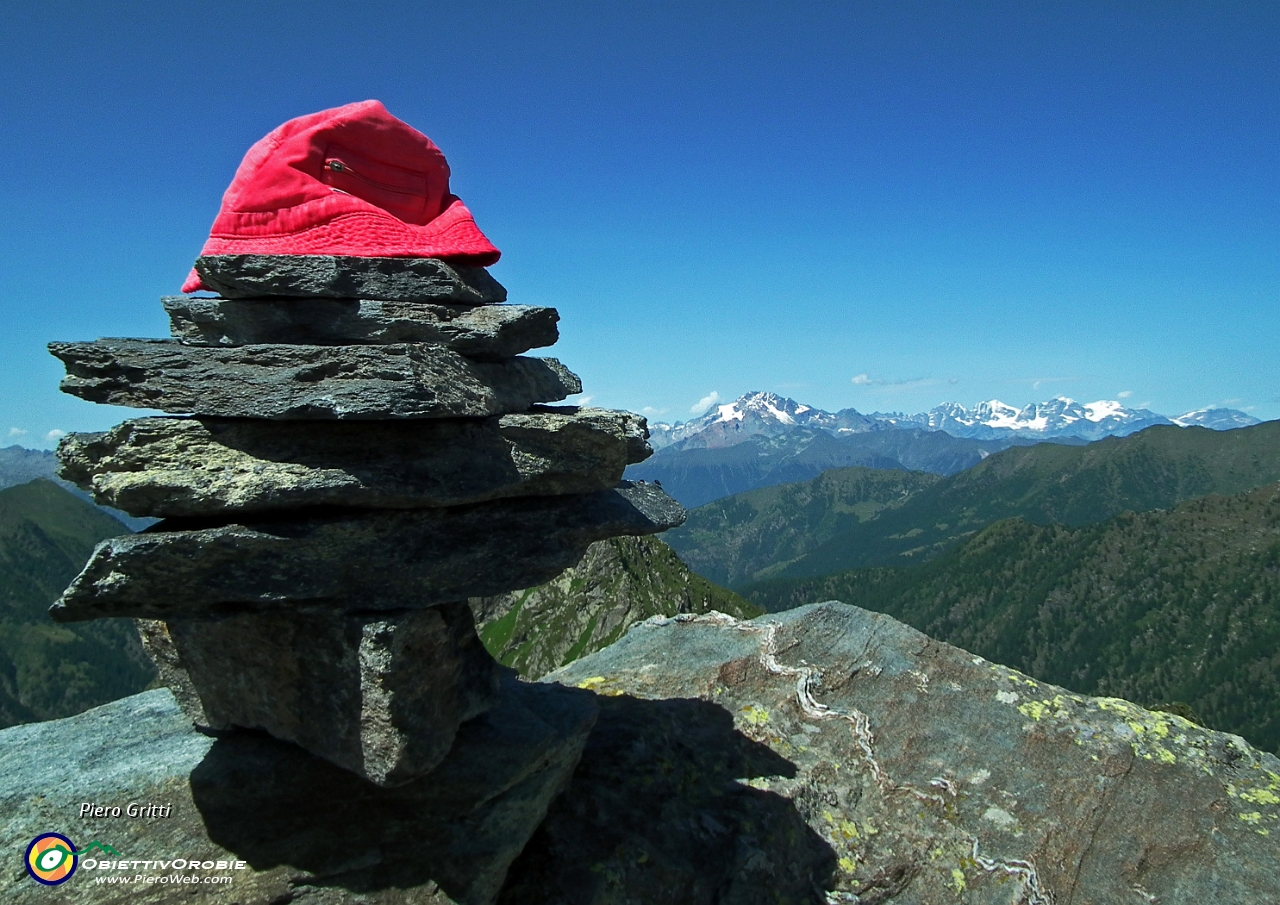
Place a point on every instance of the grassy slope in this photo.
(1181, 605)
(618, 583)
(49, 670)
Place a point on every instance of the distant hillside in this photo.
(19, 465)
(620, 581)
(1043, 484)
(752, 535)
(49, 670)
(1181, 605)
(695, 473)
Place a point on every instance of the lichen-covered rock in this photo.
(348, 277)
(379, 694)
(832, 754)
(279, 381)
(169, 467)
(365, 561)
(484, 332)
(307, 831)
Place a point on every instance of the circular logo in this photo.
(51, 859)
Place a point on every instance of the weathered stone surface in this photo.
(342, 277)
(309, 831)
(874, 764)
(379, 694)
(167, 467)
(486, 332)
(401, 380)
(365, 561)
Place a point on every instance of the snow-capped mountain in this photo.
(1060, 417)
(771, 415)
(1216, 419)
(753, 414)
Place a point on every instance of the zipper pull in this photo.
(336, 165)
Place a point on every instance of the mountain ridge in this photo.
(758, 412)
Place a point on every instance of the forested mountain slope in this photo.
(1044, 484)
(49, 670)
(1177, 605)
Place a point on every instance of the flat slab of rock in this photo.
(830, 750)
(305, 830)
(340, 277)
(401, 380)
(380, 695)
(165, 467)
(366, 561)
(484, 332)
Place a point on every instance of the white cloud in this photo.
(1124, 394)
(582, 400)
(865, 380)
(54, 436)
(651, 411)
(16, 432)
(705, 403)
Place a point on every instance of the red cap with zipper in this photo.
(353, 181)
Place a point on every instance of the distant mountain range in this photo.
(759, 413)
(19, 465)
(763, 439)
(858, 517)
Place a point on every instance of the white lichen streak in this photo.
(806, 677)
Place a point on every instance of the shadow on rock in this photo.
(659, 812)
(456, 829)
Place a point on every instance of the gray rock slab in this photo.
(166, 467)
(362, 561)
(341, 277)
(381, 695)
(401, 380)
(832, 749)
(485, 332)
(307, 831)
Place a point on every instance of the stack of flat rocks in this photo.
(352, 447)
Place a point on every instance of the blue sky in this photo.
(878, 205)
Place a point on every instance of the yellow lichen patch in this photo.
(592, 683)
(1262, 796)
(848, 829)
(1252, 817)
(1165, 755)
(957, 879)
(848, 865)
(869, 828)
(755, 715)
(1033, 709)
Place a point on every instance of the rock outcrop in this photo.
(331, 498)
(823, 755)
(832, 754)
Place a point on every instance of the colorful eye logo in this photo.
(51, 859)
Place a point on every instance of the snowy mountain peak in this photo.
(768, 414)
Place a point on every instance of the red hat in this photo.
(354, 181)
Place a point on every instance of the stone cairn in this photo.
(354, 446)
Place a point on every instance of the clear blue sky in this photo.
(943, 201)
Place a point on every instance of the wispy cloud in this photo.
(866, 380)
(16, 432)
(650, 411)
(54, 436)
(705, 403)
(581, 400)
(1124, 394)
